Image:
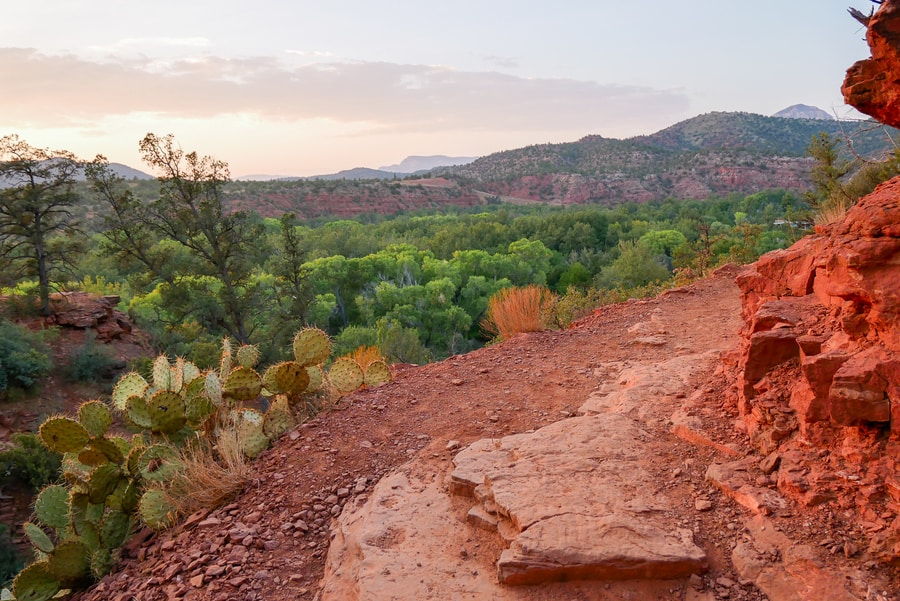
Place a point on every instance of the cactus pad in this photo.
(278, 419)
(63, 435)
(163, 377)
(197, 409)
(114, 529)
(311, 346)
(70, 562)
(190, 371)
(95, 417)
(377, 373)
(242, 384)
(248, 355)
(102, 563)
(92, 458)
(102, 481)
(158, 462)
(38, 537)
(52, 506)
(35, 583)
(316, 378)
(346, 375)
(137, 412)
(288, 377)
(166, 412)
(225, 361)
(131, 384)
(213, 388)
(108, 448)
(155, 509)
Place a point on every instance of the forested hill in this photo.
(716, 153)
(712, 154)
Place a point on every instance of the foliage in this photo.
(90, 361)
(10, 560)
(28, 461)
(38, 232)
(24, 358)
(512, 311)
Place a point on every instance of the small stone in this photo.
(697, 582)
(197, 581)
(770, 463)
(456, 382)
(703, 505)
(208, 522)
(452, 445)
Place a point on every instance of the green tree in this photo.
(190, 211)
(828, 170)
(38, 232)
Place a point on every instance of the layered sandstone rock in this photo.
(820, 361)
(873, 85)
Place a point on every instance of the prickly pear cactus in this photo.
(288, 377)
(129, 385)
(70, 562)
(166, 411)
(52, 506)
(377, 373)
(248, 355)
(155, 510)
(346, 375)
(95, 416)
(316, 378)
(63, 435)
(242, 384)
(278, 418)
(226, 360)
(35, 583)
(311, 346)
(163, 378)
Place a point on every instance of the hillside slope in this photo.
(273, 541)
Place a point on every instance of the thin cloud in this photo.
(504, 62)
(42, 90)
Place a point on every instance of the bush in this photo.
(10, 560)
(29, 462)
(512, 311)
(91, 362)
(24, 358)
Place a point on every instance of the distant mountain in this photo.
(804, 111)
(708, 155)
(715, 153)
(418, 164)
(357, 173)
(126, 172)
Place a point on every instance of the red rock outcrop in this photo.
(873, 85)
(90, 311)
(820, 363)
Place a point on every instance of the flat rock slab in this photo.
(580, 502)
(797, 574)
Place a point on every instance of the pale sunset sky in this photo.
(296, 87)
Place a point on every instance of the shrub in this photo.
(23, 357)
(90, 362)
(29, 461)
(10, 560)
(515, 310)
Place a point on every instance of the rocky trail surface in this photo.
(592, 463)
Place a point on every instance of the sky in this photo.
(300, 87)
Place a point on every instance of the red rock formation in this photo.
(90, 311)
(820, 364)
(873, 85)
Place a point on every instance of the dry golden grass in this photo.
(512, 311)
(365, 355)
(832, 210)
(212, 474)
